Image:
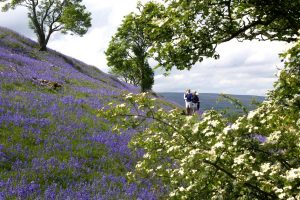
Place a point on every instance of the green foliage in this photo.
(47, 17)
(128, 53)
(185, 32)
(75, 18)
(255, 157)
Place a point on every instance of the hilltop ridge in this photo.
(19, 52)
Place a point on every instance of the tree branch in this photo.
(46, 12)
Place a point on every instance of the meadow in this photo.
(52, 145)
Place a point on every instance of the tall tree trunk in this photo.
(147, 77)
(42, 41)
(43, 48)
(38, 28)
(143, 84)
(143, 74)
(146, 72)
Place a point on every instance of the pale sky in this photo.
(244, 68)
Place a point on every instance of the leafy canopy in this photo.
(49, 16)
(128, 53)
(187, 31)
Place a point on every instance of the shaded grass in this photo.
(2, 67)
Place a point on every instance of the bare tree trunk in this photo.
(43, 48)
(42, 42)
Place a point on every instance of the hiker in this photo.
(188, 101)
(195, 102)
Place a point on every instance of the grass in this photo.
(3, 35)
(14, 86)
(16, 46)
(2, 67)
(83, 83)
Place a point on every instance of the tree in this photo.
(49, 16)
(187, 31)
(128, 53)
(255, 157)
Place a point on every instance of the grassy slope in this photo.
(52, 145)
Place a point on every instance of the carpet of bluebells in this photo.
(52, 145)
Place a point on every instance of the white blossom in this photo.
(209, 134)
(281, 196)
(181, 171)
(195, 128)
(138, 165)
(263, 121)
(265, 167)
(219, 145)
(278, 73)
(240, 159)
(214, 123)
(194, 151)
(298, 122)
(293, 174)
(252, 113)
(274, 137)
(291, 198)
(235, 126)
(172, 148)
(123, 105)
(146, 155)
(189, 187)
(226, 130)
(128, 96)
(257, 173)
(278, 190)
(172, 194)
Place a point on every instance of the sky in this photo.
(246, 68)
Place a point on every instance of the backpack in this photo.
(189, 97)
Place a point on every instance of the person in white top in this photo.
(188, 101)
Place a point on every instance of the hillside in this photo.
(52, 145)
(211, 100)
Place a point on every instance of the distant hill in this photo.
(210, 100)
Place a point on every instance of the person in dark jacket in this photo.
(195, 102)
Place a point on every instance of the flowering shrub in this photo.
(256, 157)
